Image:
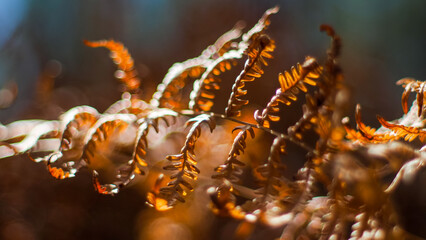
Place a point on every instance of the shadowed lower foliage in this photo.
(351, 180)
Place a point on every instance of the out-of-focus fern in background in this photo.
(44, 63)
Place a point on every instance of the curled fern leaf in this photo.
(230, 170)
(21, 136)
(77, 122)
(126, 72)
(290, 84)
(259, 50)
(336, 46)
(203, 93)
(224, 43)
(412, 85)
(260, 26)
(271, 172)
(16, 131)
(307, 121)
(129, 105)
(77, 119)
(401, 131)
(46, 129)
(258, 47)
(141, 146)
(184, 164)
(168, 92)
(108, 148)
(333, 76)
(366, 134)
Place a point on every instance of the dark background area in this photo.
(43, 57)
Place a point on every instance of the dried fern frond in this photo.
(290, 83)
(332, 81)
(45, 129)
(412, 85)
(260, 26)
(202, 95)
(26, 135)
(168, 92)
(224, 43)
(308, 119)
(353, 174)
(130, 105)
(108, 148)
(324, 104)
(230, 170)
(257, 46)
(259, 49)
(184, 164)
(141, 146)
(270, 173)
(366, 134)
(70, 133)
(16, 131)
(126, 72)
(401, 131)
(77, 121)
(334, 51)
(333, 77)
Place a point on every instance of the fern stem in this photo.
(278, 134)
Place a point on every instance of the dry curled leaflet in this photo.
(342, 190)
(401, 131)
(230, 170)
(168, 92)
(259, 50)
(412, 85)
(270, 173)
(202, 96)
(126, 72)
(184, 164)
(366, 134)
(291, 83)
(141, 146)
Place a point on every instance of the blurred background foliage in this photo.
(44, 64)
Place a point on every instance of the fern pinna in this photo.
(341, 191)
